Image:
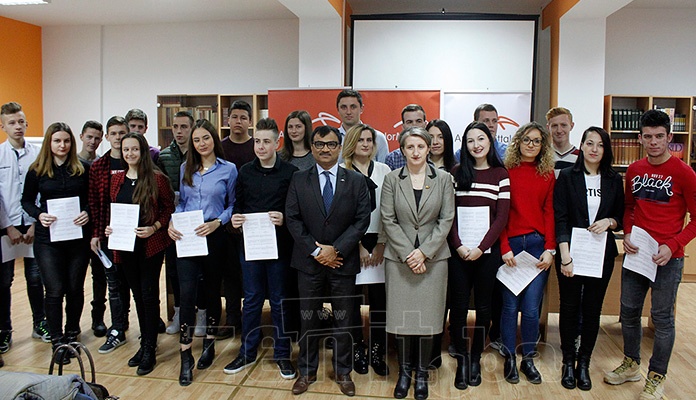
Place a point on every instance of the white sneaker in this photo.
(201, 323)
(175, 326)
(654, 387)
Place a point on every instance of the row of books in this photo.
(166, 114)
(627, 151)
(624, 119)
(678, 120)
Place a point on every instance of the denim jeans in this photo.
(634, 288)
(98, 288)
(35, 292)
(528, 302)
(63, 267)
(119, 292)
(257, 275)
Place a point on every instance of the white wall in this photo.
(651, 52)
(139, 62)
(321, 47)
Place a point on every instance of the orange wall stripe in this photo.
(21, 76)
(551, 17)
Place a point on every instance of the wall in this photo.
(651, 52)
(20, 74)
(138, 62)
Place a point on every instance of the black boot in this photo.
(436, 358)
(63, 356)
(360, 362)
(510, 369)
(137, 357)
(420, 388)
(425, 352)
(461, 374)
(475, 371)
(208, 354)
(568, 373)
(377, 355)
(147, 363)
(70, 337)
(186, 374)
(403, 384)
(529, 370)
(582, 373)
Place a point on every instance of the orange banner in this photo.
(382, 108)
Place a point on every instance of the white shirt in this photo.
(333, 171)
(14, 164)
(593, 184)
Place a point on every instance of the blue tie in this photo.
(328, 192)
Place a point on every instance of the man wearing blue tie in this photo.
(327, 212)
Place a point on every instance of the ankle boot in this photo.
(186, 374)
(510, 369)
(208, 354)
(568, 374)
(475, 371)
(147, 363)
(175, 325)
(582, 374)
(420, 388)
(403, 383)
(63, 357)
(461, 374)
(377, 355)
(529, 370)
(71, 336)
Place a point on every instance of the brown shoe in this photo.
(346, 384)
(302, 383)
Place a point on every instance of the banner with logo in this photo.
(382, 108)
(514, 110)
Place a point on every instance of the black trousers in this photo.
(313, 289)
(377, 295)
(142, 275)
(232, 282)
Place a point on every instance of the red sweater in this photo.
(657, 198)
(531, 206)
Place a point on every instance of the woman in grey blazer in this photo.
(417, 209)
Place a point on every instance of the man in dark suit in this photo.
(327, 212)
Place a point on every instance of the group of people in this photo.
(342, 206)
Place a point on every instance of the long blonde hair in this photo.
(43, 165)
(544, 160)
(350, 142)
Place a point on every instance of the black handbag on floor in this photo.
(99, 391)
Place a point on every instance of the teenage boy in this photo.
(262, 186)
(349, 104)
(91, 137)
(411, 115)
(16, 155)
(137, 122)
(238, 149)
(99, 202)
(559, 122)
(660, 189)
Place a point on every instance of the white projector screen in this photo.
(467, 55)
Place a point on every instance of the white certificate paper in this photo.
(519, 277)
(370, 274)
(259, 237)
(124, 220)
(190, 244)
(473, 223)
(65, 210)
(641, 262)
(104, 259)
(587, 251)
(14, 251)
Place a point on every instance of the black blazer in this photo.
(343, 227)
(570, 206)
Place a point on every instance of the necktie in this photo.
(328, 192)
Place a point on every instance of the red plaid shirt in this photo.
(98, 194)
(163, 209)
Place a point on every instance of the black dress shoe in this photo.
(510, 370)
(99, 328)
(529, 370)
(420, 388)
(360, 359)
(475, 372)
(403, 383)
(568, 375)
(186, 374)
(582, 374)
(461, 374)
(208, 354)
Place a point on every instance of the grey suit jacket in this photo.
(343, 227)
(430, 222)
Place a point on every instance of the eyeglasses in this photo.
(534, 142)
(332, 145)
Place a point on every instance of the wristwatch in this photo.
(552, 252)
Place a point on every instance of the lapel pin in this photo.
(427, 187)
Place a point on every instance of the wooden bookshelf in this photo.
(213, 107)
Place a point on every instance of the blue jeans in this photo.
(118, 290)
(528, 302)
(634, 288)
(255, 276)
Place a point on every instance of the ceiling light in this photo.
(22, 2)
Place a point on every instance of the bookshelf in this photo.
(213, 107)
(621, 115)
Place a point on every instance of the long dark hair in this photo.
(287, 151)
(145, 193)
(465, 174)
(193, 157)
(448, 156)
(607, 158)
